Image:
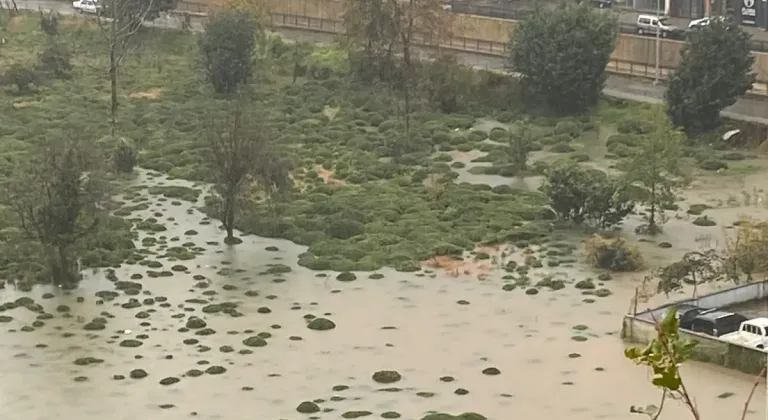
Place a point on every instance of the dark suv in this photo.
(717, 323)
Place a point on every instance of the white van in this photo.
(651, 25)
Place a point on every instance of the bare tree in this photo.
(417, 20)
(54, 194)
(381, 28)
(119, 24)
(241, 155)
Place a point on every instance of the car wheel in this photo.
(760, 346)
(639, 31)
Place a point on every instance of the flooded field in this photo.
(200, 329)
(225, 335)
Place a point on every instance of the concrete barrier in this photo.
(708, 349)
(640, 51)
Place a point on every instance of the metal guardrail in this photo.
(513, 12)
(479, 46)
(463, 44)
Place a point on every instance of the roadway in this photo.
(627, 17)
(745, 109)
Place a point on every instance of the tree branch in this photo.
(752, 392)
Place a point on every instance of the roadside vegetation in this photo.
(352, 150)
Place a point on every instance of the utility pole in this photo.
(658, 42)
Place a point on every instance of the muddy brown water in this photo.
(401, 322)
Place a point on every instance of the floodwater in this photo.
(426, 326)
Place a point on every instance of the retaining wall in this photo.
(721, 299)
(636, 50)
(709, 349)
(641, 328)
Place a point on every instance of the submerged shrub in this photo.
(613, 254)
(24, 78)
(125, 156)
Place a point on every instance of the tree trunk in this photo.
(228, 218)
(62, 272)
(652, 217)
(407, 84)
(113, 87)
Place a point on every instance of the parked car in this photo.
(752, 333)
(717, 323)
(602, 3)
(703, 22)
(687, 313)
(87, 6)
(651, 25)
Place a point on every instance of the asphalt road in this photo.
(746, 109)
(627, 17)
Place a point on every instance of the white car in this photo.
(87, 6)
(700, 23)
(752, 333)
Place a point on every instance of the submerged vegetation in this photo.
(330, 158)
(367, 159)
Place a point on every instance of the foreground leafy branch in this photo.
(664, 355)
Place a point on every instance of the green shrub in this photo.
(568, 128)
(498, 133)
(733, 156)
(561, 148)
(345, 229)
(581, 195)
(24, 78)
(634, 125)
(713, 165)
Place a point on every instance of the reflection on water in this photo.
(405, 322)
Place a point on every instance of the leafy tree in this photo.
(372, 30)
(446, 83)
(747, 249)
(655, 169)
(715, 69)
(241, 155)
(227, 47)
(54, 194)
(561, 55)
(694, 268)
(581, 195)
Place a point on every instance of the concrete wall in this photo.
(721, 299)
(708, 349)
(324, 9)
